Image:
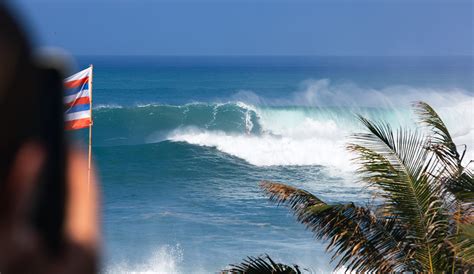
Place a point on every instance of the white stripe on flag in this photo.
(70, 98)
(81, 74)
(78, 115)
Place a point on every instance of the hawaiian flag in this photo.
(77, 99)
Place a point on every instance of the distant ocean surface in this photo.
(182, 142)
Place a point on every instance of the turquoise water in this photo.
(182, 142)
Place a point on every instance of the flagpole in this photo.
(90, 130)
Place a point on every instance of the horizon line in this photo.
(264, 55)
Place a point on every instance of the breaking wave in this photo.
(311, 128)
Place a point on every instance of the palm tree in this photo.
(424, 219)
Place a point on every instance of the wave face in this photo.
(151, 123)
(262, 135)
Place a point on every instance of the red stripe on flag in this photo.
(79, 101)
(76, 83)
(78, 124)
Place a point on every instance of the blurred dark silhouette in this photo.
(48, 214)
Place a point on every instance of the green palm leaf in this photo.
(262, 265)
(463, 186)
(356, 237)
(465, 244)
(458, 179)
(441, 141)
(398, 165)
(455, 178)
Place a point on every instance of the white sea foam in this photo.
(248, 115)
(310, 143)
(164, 260)
(309, 136)
(107, 106)
(323, 92)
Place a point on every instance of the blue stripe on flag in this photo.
(71, 91)
(78, 108)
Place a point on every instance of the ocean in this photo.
(182, 142)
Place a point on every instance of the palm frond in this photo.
(357, 239)
(398, 165)
(458, 179)
(462, 186)
(465, 244)
(262, 265)
(441, 141)
(440, 133)
(462, 244)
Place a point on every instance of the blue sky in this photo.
(259, 27)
